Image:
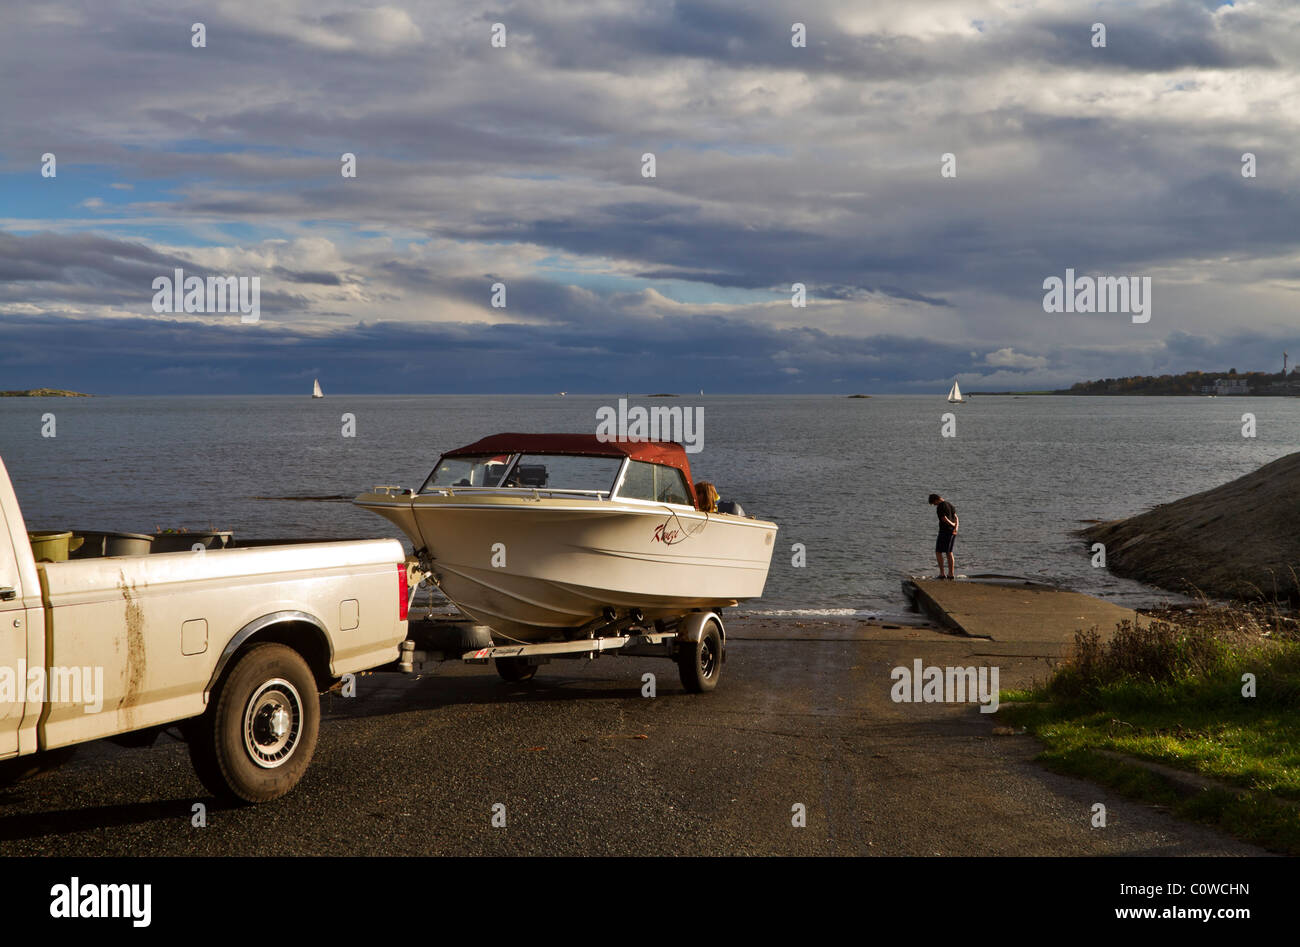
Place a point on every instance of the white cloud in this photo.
(1010, 358)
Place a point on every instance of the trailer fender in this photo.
(692, 626)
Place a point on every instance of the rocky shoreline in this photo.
(1240, 540)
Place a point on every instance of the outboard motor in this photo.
(731, 506)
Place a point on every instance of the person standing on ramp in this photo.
(943, 546)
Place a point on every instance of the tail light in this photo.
(403, 592)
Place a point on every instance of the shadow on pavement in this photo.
(56, 822)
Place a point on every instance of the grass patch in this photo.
(1253, 817)
(1171, 691)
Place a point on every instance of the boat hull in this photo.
(536, 568)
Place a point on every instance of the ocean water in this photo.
(847, 478)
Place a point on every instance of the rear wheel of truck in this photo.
(259, 733)
(516, 670)
(699, 663)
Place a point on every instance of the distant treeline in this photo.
(42, 393)
(1188, 383)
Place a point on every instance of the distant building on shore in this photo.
(1227, 386)
(1193, 383)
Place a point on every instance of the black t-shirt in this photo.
(944, 508)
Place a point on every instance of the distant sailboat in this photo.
(315, 389)
(954, 396)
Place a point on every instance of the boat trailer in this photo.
(695, 641)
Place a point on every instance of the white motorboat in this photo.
(539, 536)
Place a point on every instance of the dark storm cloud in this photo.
(91, 270)
(621, 353)
(53, 258)
(1170, 37)
(861, 292)
(624, 353)
(1147, 38)
(318, 278)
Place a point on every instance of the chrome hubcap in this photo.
(273, 723)
(279, 723)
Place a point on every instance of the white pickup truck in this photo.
(236, 643)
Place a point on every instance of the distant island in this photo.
(44, 393)
(1192, 383)
(859, 396)
(1210, 384)
(662, 394)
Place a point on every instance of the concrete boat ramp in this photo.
(1014, 610)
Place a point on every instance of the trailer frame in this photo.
(695, 640)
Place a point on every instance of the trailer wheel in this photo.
(259, 732)
(516, 670)
(700, 662)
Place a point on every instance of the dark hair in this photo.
(935, 498)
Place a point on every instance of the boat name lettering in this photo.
(667, 536)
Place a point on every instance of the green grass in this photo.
(1172, 694)
(1254, 817)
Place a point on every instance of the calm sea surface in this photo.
(848, 478)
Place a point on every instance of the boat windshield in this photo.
(565, 472)
(483, 471)
(655, 482)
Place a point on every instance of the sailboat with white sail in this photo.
(954, 395)
(315, 389)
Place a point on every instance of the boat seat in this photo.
(531, 475)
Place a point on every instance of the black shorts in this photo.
(945, 542)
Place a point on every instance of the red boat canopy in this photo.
(668, 453)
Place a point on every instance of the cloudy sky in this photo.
(523, 165)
